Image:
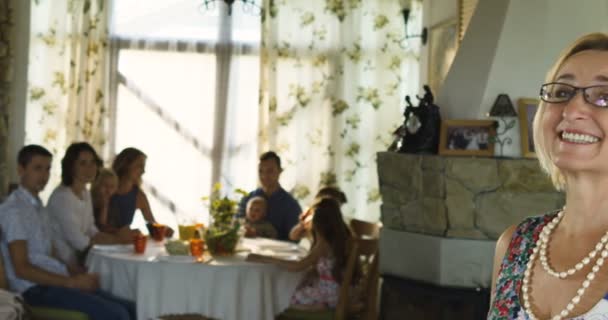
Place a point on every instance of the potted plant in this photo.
(222, 235)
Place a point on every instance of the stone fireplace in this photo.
(441, 217)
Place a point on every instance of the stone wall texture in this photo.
(461, 197)
(6, 75)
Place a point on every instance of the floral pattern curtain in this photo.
(66, 75)
(333, 77)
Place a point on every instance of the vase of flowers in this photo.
(222, 235)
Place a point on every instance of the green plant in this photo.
(222, 234)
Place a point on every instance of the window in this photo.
(185, 91)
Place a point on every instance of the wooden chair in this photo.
(364, 229)
(367, 286)
(43, 313)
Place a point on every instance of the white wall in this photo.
(20, 42)
(522, 45)
(434, 12)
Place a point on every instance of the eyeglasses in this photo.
(556, 92)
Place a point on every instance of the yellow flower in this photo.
(380, 21)
(307, 18)
(222, 208)
(36, 93)
(338, 106)
(395, 63)
(352, 150)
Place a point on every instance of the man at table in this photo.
(283, 209)
(31, 267)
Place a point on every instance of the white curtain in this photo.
(333, 78)
(186, 94)
(67, 99)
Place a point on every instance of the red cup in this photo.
(158, 232)
(139, 243)
(197, 247)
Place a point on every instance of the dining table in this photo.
(219, 287)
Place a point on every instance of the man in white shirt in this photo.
(31, 267)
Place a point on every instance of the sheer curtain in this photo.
(333, 78)
(67, 98)
(186, 94)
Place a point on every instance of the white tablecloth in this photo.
(224, 288)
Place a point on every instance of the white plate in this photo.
(113, 247)
(176, 258)
(280, 248)
(282, 255)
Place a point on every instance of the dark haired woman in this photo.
(71, 208)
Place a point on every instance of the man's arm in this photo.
(27, 271)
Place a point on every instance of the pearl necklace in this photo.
(544, 243)
(579, 293)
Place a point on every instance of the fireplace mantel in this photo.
(442, 215)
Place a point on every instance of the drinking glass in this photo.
(139, 243)
(197, 247)
(186, 231)
(158, 232)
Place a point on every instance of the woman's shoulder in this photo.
(523, 234)
(134, 191)
(60, 194)
(59, 190)
(533, 223)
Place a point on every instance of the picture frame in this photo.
(443, 45)
(527, 108)
(467, 137)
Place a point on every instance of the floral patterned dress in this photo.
(506, 305)
(324, 290)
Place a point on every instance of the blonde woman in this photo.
(129, 165)
(553, 266)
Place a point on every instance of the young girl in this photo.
(102, 190)
(303, 227)
(326, 261)
(129, 165)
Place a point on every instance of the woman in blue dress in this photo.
(129, 165)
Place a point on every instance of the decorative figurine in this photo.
(419, 132)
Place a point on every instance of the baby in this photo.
(256, 225)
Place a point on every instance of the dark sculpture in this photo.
(419, 132)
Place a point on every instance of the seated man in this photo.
(283, 209)
(31, 267)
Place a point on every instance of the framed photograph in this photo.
(443, 44)
(527, 110)
(467, 137)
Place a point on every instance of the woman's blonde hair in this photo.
(592, 41)
(122, 162)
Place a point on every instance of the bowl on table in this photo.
(177, 248)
